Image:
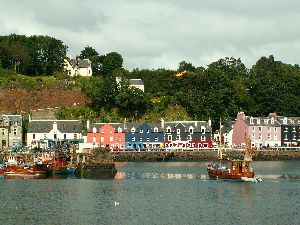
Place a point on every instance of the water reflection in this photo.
(167, 176)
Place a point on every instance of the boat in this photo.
(233, 170)
(71, 168)
(2, 169)
(27, 171)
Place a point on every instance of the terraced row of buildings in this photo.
(270, 131)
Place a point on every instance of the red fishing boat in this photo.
(236, 170)
(27, 171)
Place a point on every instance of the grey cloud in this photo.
(161, 33)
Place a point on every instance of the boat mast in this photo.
(220, 145)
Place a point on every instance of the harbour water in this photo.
(156, 193)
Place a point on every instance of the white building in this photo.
(137, 83)
(78, 67)
(41, 132)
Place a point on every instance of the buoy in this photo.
(117, 203)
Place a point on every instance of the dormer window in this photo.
(272, 120)
(168, 130)
(74, 126)
(148, 131)
(251, 120)
(258, 121)
(141, 131)
(132, 130)
(203, 130)
(189, 137)
(120, 130)
(285, 120)
(191, 130)
(266, 121)
(94, 130)
(178, 131)
(155, 129)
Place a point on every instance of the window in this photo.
(15, 132)
(141, 131)
(33, 136)
(285, 120)
(155, 129)
(133, 139)
(75, 136)
(55, 136)
(168, 130)
(74, 126)
(259, 129)
(294, 137)
(253, 136)
(203, 130)
(275, 137)
(65, 136)
(111, 138)
(156, 139)
(253, 129)
(286, 129)
(285, 137)
(169, 137)
(272, 120)
(269, 136)
(132, 130)
(189, 137)
(148, 138)
(259, 136)
(148, 131)
(203, 138)
(110, 131)
(294, 129)
(177, 137)
(120, 139)
(102, 131)
(120, 130)
(94, 139)
(251, 120)
(141, 139)
(269, 129)
(102, 139)
(178, 131)
(275, 129)
(258, 121)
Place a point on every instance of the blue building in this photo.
(143, 136)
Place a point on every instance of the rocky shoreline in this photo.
(179, 156)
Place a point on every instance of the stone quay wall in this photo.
(180, 156)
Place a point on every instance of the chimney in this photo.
(124, 123)
(241, 115)
(162, 123)
(88, 124)
(29, 118)
(54, 126)
(209, 122)
(195, 123)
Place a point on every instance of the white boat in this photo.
(251, 179)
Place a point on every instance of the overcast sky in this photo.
(160, 33)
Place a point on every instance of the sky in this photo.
(152, 34)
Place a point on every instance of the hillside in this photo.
(19, 99)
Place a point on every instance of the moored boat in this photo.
(236, 169)
(27, 171)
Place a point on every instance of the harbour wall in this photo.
(179, 156)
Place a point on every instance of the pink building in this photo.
(263, 131)
(106, 135)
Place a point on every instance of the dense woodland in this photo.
(196, 92)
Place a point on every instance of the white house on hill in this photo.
(78, 67)
(137, 83)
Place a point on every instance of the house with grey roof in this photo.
(78, 67)
(11, 131)
(41, 133)
(137, 83)
(270, 131)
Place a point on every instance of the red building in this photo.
(106, 135)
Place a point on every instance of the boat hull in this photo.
(221, 174)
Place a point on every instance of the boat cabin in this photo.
(240, 166)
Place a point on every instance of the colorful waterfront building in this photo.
(43, 133)
(270, 131)
(143, 136)
(11, 131)
(109, 135)
(187, 134)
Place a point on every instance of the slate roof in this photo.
(64, 126)
(266, 121)
(82, 63)
(12, 118)
(187, 124)
(99, 125)
(136, 82)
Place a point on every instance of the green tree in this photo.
(186, 66)
(110, 62)
(91, 54)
